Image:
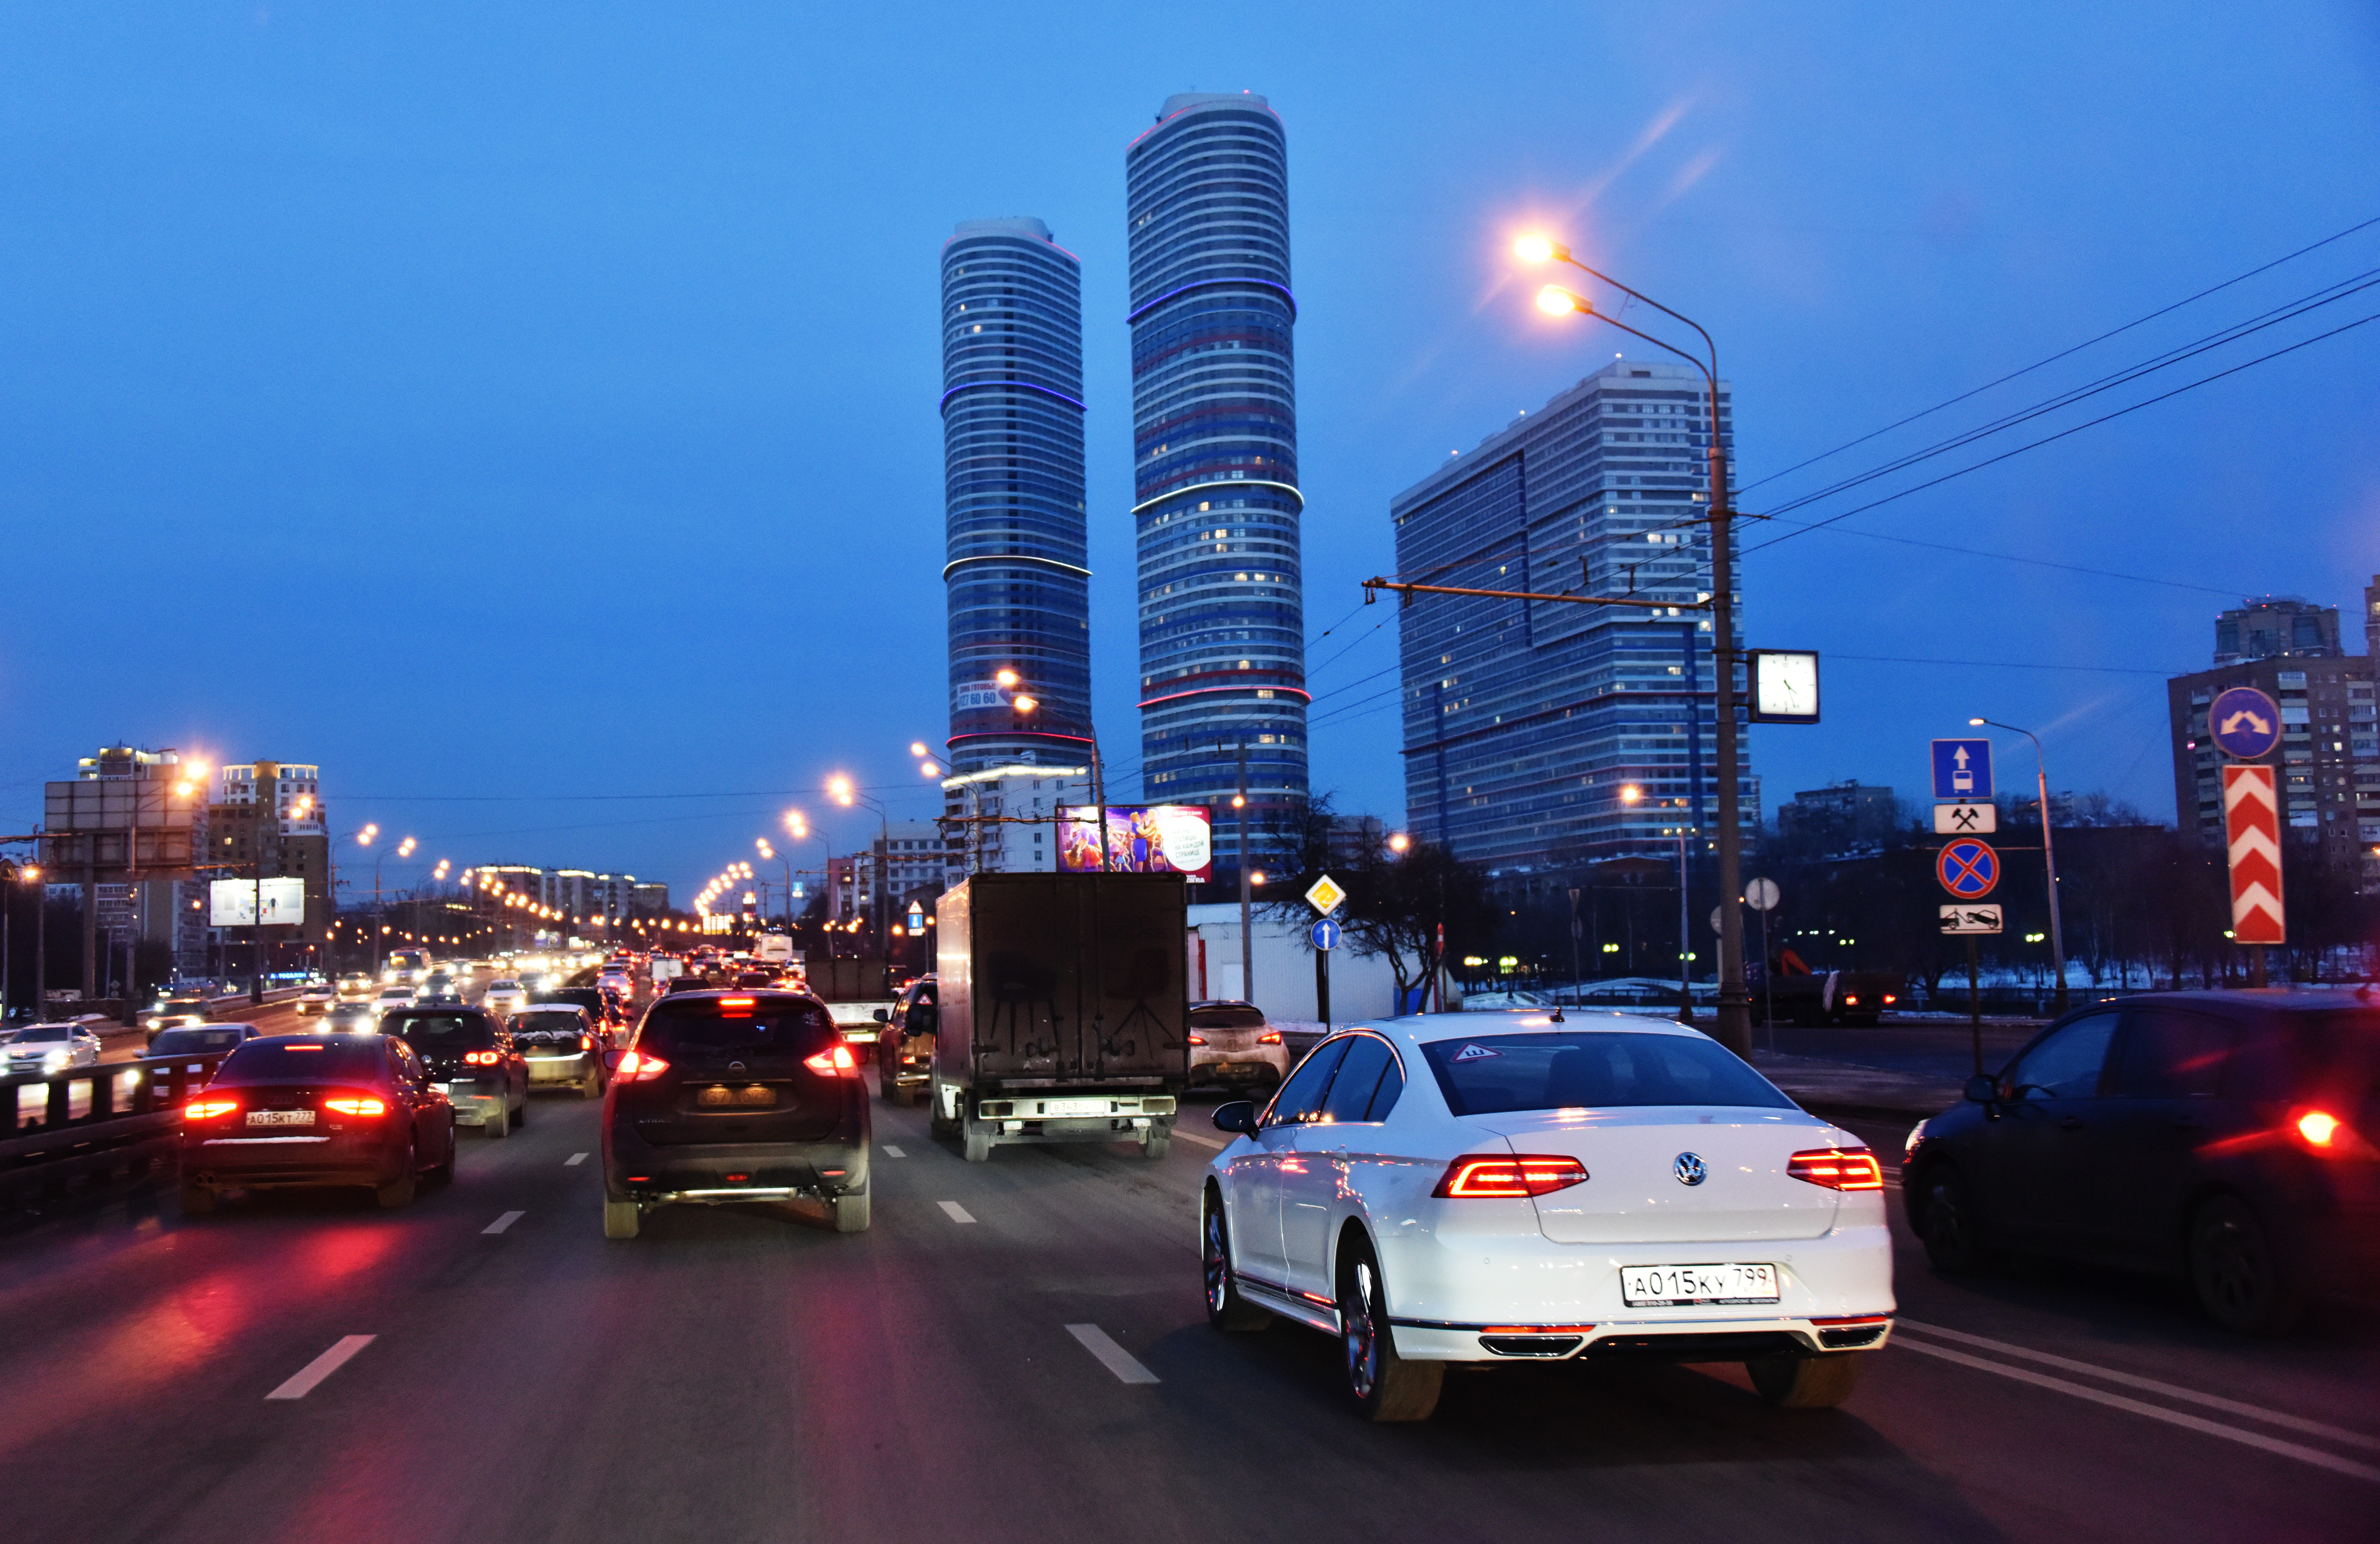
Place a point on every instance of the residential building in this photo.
(267, 820)
(1018, 581)
(1547, 734)
(2328, 761)
(126, 814)
(1004, 819)
(1217, 507)
(2276, 627)
(1840, 817)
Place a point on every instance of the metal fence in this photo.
(91, 1122)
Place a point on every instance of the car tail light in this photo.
(1838, 1168)
(1484, 1177)
(1890, 1000)
(481, 1058)
(208, 1109)
(2329, 1135)
(586, 1042)
(363, 1104)
(1198, 1039)
(1270, 1037)
(736, 1007)
(640, 1067)
(836, 1061)
(1852, 1001)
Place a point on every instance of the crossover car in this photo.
(178, 1045)
(1232, 1044)
(1519, 1185)
(308, 1111)
(2230, 1138)
(505, 997)
(904, 1046)
(472, 1061)
(558, 1042)
(45, 1048)
(609, 1014)
(725, 1097)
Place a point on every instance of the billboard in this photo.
(232, 903)
(1143, 839)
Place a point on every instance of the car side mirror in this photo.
(1982, 1089)
(884, 1016)
(1239, 1115)
(611, 1061)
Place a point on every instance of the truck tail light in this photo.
(208, 1109)
(361, 1104)
(640, 1067)
(1487, 1176)
(837, 1061)
(1838, 1168)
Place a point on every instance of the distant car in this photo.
(505, 997)
(618, 979)
(356, 987)
(472, 1061)
(1232, 1044)
(291, 1111)
(676, 984)
(399, 996)
(606, 1011)
(352, 1018)
(441, 983)
(316, 997)
(727, 1097)
(559, 1043)
(39, 1049)
(176, 1005)
(200, 1039)
(2230, 1138)
(905, 1047)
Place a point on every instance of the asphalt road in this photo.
(745, 1375)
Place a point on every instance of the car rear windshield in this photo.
(279, 1061)
(2311, 1055)
(1227, 1019)
(535, 1021)
(723, 1025)
(194, 1042)
(1487, 1075)
(440, 1031)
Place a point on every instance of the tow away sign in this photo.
(1971, 919)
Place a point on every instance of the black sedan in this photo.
(310, 1111)
(2225, 1136)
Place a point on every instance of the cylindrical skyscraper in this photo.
(1017, 579)
(1216, 504)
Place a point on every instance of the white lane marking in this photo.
(1115, 1358)
(891, 1152)
(2172, 1391)
(321, 1366)
(957, 1213)
(574, 1160)
(2298, 1450)
(1181, 1136)
(506, 1221)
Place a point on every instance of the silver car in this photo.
(1232, 1045)
(39, 1049)
(505, 997)
(558, 1042)
(352, 1018)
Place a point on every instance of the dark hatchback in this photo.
(2228, 1138)
(472, 1059)
(609, 1013)
(904, 1050)
(311, 1111)
(736, 1095)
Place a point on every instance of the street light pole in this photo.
(1735, 1001)
(2049, 856)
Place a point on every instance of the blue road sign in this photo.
(1968, 868)
(1962, 770)
(1326, 934)
(2245, 722)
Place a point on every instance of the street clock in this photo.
(1784, 685)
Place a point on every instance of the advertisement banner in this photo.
(1143, 839)
(232, 903)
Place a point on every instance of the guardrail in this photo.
(87, 1122)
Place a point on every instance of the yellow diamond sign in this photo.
(1326, 895)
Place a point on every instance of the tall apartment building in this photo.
(1841, 816)
(1018, 581)
(2328, 760)
(1217, 508)
(267, 818)
(1525, 720)
(1006, 817)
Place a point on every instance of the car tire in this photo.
(592, 1087)
(1946, 1224)
(851, 1212)
(399, 1192)
(444, 1173)
(1386, 1386)
(1156, 1143)
(497, 1127)
(2241, 1281)
(1805, 1382)
(936, 1122)
(1226, 1309)
(197, 1200)
(976, 1140)
(520, 1116)
(622, 1219)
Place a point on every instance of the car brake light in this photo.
(481, 1058)
(365, 1105)
(2331, 1137)
(208, 1109)
(1889, 998)
(586, 1042)
(1838, 1168)
(1484, 1176)
(1198, 1039)
(833, 1063)
(736, 1007)
(640, 1067)
(1270, 1037)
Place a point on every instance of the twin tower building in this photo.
(1215, 498)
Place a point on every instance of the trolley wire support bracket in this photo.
(1409, 590)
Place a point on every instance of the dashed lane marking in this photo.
(329, 1362)
(506, 1221)
(1181, 1136)
(957, 1213)
(574, 1160)
(891, 1152)
(1115, 1358)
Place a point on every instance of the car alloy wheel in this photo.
(1226, 1309)
(1947, 1223)
(1386, 1386)
(2239, 1278)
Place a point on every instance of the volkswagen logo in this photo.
(738, 1066)
(1689, 1168)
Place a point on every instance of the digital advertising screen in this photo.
(1146, 839)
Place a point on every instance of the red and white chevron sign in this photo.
(2252, 822)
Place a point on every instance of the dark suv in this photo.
(734, 1096)
(2225, 1137)
(905, 1051)
(473, 1061)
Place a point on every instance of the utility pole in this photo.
(1248, 943)
(1575, 982)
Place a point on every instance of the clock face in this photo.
(1785, 685)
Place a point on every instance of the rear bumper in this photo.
(1708, 1340)
(1239, 1069)
(286, 1162)
(476, 1104)
(562, 1069)
(727, 1172)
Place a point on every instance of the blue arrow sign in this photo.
(1962, 770)
(2245, 723)
(1325, 934)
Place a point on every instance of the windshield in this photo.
(723, 1026)
(194, 1042)
(1489, 1075)
(42, 1032)
(442, 1031)
(278, 1061)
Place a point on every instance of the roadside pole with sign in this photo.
(2245, 725)
(1324, 896)
(1762, 896)
(1970, 870)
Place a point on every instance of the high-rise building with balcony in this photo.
(1017, 579)
(1216, 509)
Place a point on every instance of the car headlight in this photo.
(1917, 1134)
(55, 1060)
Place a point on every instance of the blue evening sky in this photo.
(527, 412)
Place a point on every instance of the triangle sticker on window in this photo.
(1476, 1053)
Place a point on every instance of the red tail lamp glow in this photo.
(208, 1109)
(481, 1058)
(1484, 1177)
(363, 1105)
(1198, 1039)
(837, 1061)
(1838, 1168)
(1270, 1037)
(640, 1066)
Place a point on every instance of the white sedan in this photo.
(1520, 1186)
(40, 1049)
(505, 997)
